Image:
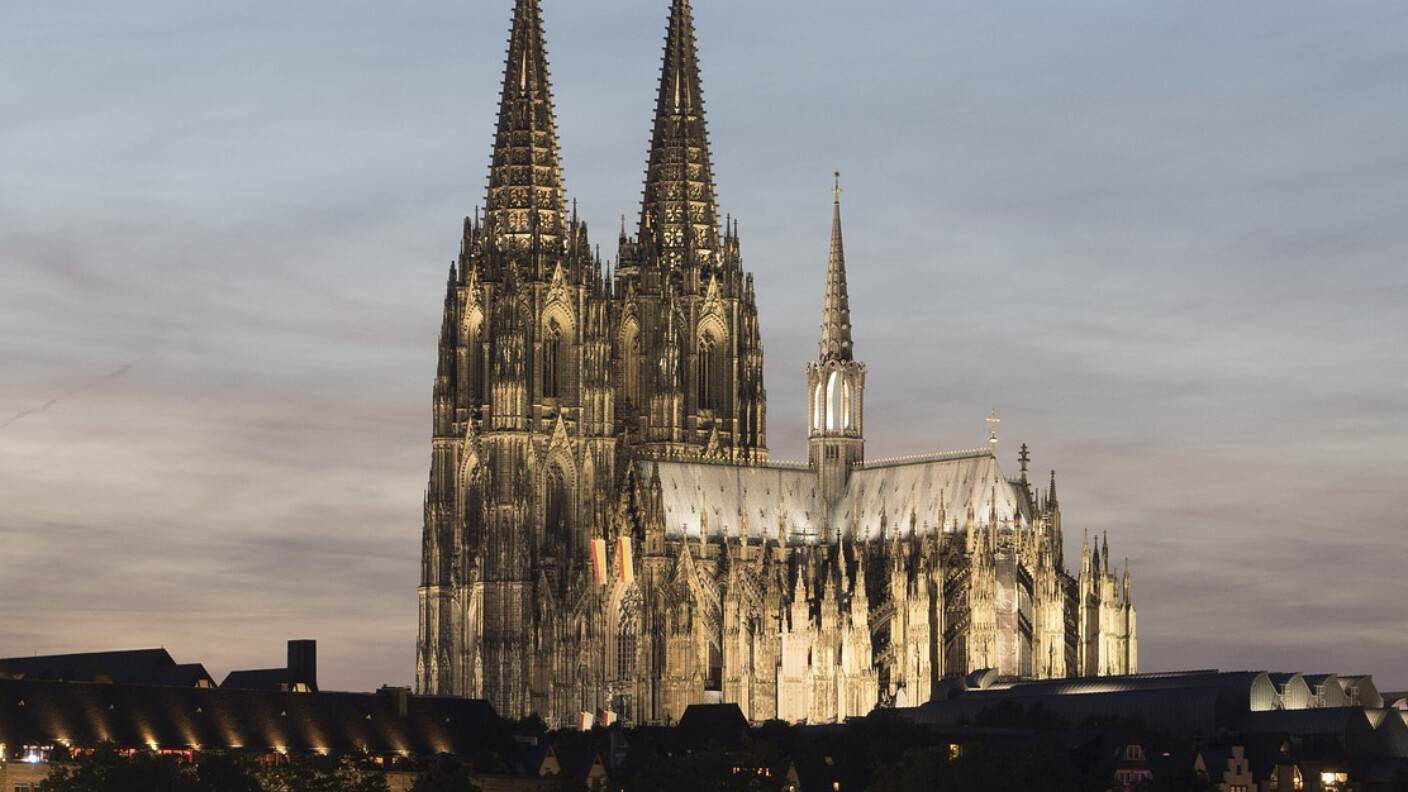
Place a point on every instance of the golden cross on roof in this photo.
(837, 190)
(993, 421)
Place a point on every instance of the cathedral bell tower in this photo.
(835, 381)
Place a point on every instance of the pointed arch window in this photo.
(707, 375)
(626, 644)
(555, 509)
(832, 401)
(630, 361)
(552, 361)
(476, 353)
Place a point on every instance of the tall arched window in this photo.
(552, 361)
(556, 509)
(832, 401)
(707, 373)
(626, 645)
(630, 361)
(819, 407)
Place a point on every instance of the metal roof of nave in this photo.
(879, 500)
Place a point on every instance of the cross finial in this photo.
(836, 191)
(993, 421)
(1025, 457)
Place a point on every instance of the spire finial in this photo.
(993, 421)
(836, 341)
(520, 199)
(679, 219)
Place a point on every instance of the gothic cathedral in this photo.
(604, 533)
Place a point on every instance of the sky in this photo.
(1166, 241)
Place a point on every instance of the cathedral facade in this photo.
(604, 532)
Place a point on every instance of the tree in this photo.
(313, 773)
(228, 772)
(1183, 779)
(104, 770)
(934, 769)
(446, 774)
(705, 771)
(563, 782)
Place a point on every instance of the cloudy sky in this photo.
(1165, 240)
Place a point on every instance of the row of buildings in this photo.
(1246, 731)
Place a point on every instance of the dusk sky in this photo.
(1168, 242)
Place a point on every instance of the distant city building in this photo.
(156, 667)
(604, 533)
(1237, 729)
(1248, 731)
(128, 667)
(299, 676)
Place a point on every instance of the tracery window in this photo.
(630, 360)
(556, 509)
(832, 401)
(707, 375)
(475, 355)
(552, 361)
(626, 646)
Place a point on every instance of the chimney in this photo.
(400, 695)
(303, 663)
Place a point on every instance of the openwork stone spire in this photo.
(525, 180)
(836, 319)
(679, 219)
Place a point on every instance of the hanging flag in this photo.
(599, 567)
(628, 566)
(588, 720)
(608, 718)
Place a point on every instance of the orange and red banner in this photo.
(627, 564)
(599, 566)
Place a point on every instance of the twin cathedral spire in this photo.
(602, 528)
(673, 331)
(679, 219)
(525, 200)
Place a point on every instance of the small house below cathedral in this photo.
(605, 535)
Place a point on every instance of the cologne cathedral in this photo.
(605, 535)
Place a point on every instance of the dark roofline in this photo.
(137, 716)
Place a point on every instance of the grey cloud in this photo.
(1164, 241)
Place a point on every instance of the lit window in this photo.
(833, 402)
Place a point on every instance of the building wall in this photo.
(562, 575)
